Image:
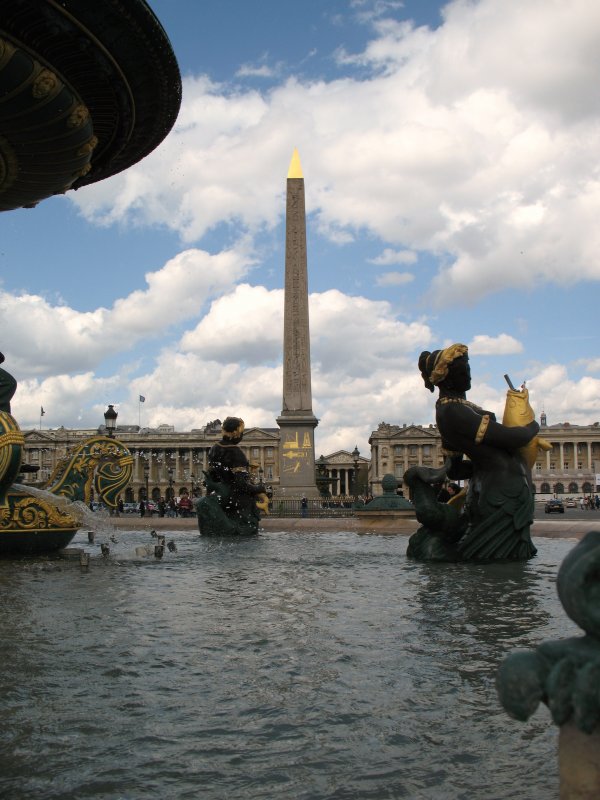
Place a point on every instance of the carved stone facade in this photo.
(165, 462)
(572, 467)
(347, 476)
(395, 448)
(174, 461)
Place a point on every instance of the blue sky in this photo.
(450, 155)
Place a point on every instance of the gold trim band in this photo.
(482, 429)
(12, 437)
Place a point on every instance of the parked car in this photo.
(570, 503)
(554, 507)
(131, 508)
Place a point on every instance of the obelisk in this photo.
(297, 422)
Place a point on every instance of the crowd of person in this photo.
(180, 507)
(590, 503)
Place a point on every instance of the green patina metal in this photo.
(565, 674)
(227, 510)
(390, 500)
(88, 89)
(33, 524)
(233, 502)
(491, 519)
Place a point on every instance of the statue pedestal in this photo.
(579, 764)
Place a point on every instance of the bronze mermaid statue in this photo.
(490, 519)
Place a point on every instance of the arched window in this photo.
(573, 487)
(545, 488)
(559, 488)
(587, 488)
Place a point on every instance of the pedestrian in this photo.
(304, 506)
(142, 508)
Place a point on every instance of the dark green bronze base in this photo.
(213, 521)
(35, 542)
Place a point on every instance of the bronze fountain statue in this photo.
(565, 675)
(88, 90)
(33, 523)
(233, 502)
(491, 519)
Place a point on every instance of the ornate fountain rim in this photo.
(86, 91)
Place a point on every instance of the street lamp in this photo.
(110, 420)
(261, 474)
(355, 457)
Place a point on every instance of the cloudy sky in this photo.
(450, 156)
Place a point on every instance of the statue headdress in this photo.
(232, 428)
(434, 366)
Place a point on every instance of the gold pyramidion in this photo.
(295, 170)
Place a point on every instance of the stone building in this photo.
(572, 467)
(166, 462)
(347, 473)
(395, 448)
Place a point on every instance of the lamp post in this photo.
(261, 475)
(110, 421)
(355, 457)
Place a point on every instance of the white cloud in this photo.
(500, 345)
(565, 399)
(389, 257)
(591, 365)
(245, 326)
(475, 142)
(45, 339)
(459, 149)
(394, 279)
(231, 364)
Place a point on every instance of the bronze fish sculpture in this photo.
(262, 502)
(517, 411)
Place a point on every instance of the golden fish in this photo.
(262, 502)
(517, 411)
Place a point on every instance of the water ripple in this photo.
(287, 666)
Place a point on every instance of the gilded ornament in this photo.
(88, 147)
(7, 50)
(78, 117)
(83, 171)
(45, 83)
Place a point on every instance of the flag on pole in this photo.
(142, 399)
(42, 412)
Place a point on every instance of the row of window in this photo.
(573, 488)
(412, 450)
(566, 466)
